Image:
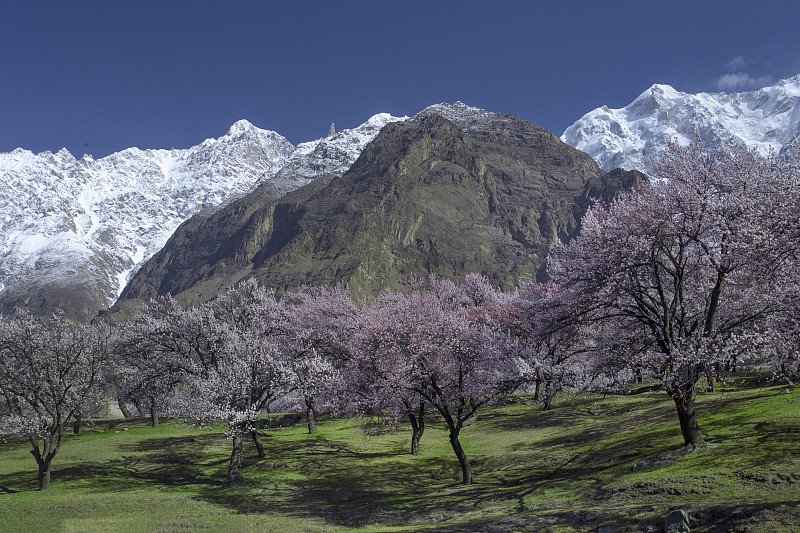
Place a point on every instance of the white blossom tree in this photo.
(216, 361)
(50, 373)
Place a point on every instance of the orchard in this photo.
(676, 283)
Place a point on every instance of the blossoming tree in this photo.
(684, 271)
(432, 343)
(50, 372)
(218, 360)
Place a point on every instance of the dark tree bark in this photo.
(547, 396)
(153, 414)
(311, 415)
(44, 476)
(44, 455)
(257, 442)
(139, 407)
(687, 415)
(124, 408)
(417, 425)
(235, 466)
(709, 372)
(76, 425)
(466, 472)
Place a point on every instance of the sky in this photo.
(97, 76)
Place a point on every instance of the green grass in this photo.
(589, 462)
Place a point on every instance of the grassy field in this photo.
(590, 462)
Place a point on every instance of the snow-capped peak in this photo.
(85, 225)
(381, 119)
(458, 112)
(765, 119)
(244, 126)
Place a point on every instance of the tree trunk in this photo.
(466, 473)
(310, 415)
(417, 426)
(687, 416)
(124, 408)
(547, 396)
(235, 467)
(259, 445)
(76, 425)
(44, 476)
(139, 407)
(709, 378)
(153, 414)
(44, 455)
(43, 460)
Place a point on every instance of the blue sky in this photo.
(99, 76)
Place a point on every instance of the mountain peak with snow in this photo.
(74, 230)
(245, 127)
(458, 112)
(765, 119)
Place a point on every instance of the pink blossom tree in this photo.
(678, 274)
(556, 353)
(50, 372)
(784, 333)
(434, 343)
(784, 336)
(321, 321)
(364, 388)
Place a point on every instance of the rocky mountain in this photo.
(452, 190)
(765, 119)
(73, 230)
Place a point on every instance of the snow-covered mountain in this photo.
(73, 230)
(764, 119)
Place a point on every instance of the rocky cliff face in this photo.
(451, 191)
(73, 230)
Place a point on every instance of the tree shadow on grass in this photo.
(174, 461)
(329, 478)
(746, 517)
(582, 411)
(22, 481)
(346, 486)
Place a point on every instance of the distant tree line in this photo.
(682, 279)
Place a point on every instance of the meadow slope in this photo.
(590, 462)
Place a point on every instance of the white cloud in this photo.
(737, 63)
(738, 81)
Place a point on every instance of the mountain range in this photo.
(75, 229)
(765, 119)
(454, 189)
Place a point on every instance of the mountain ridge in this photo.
(75, 229)
(764, 119)
(450, 191)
